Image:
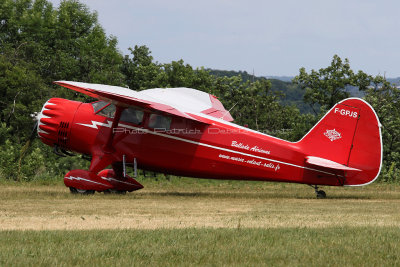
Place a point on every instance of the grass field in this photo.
(198, 222)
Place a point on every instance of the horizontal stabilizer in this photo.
(326, 163)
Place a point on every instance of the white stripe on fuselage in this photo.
(109, 123)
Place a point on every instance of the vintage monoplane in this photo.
(188, 132)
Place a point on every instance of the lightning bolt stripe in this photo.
(97, 123)
(112, 179)
(83, 179)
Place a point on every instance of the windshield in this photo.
(131, 114)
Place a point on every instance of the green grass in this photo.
(211, 247)
(199, 222)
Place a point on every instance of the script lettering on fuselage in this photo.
(240, 145)
(247, 147)
(260, 163)
(346, 112)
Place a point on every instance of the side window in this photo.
(108, 111)
(132, 115)
(158, 121)
(99, 105)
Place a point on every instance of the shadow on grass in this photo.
(277, 191)
(304, 194)
(255, 195)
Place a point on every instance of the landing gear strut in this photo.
(319, 193)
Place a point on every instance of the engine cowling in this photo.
(55, 121)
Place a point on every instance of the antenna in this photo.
(228, 111)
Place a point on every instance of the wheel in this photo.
(81, 191)
(321, 194)
(113, 191)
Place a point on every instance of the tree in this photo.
(385, 98)
(140, 71)
(63, 43)
(326, 87)
(22, 91)
(40, 44)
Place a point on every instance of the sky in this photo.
(269, 38)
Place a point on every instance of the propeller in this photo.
(32, 136)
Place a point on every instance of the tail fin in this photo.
(347, 138)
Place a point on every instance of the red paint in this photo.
(203, 146)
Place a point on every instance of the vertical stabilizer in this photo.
(349, 134)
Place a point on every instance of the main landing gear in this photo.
(91, 192)
(320, 193)
(81, 191)
(108, 181)
(113, 191)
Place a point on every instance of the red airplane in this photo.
(186, 132)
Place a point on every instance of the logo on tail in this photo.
(333, 134)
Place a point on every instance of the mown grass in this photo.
(198, 222)
(346, 246)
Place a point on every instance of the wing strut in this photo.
(108, 147)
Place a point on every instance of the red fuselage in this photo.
(207, 148)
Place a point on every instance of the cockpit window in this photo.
(132, 115)
(108, 111)
(99, 105)
(158, 121)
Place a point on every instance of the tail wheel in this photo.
(321, 194)
(81, 191)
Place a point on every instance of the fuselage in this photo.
(206, 147)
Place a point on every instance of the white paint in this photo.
(214, 147)
(182, 99)
(83, 179)
(115, 180)
(97, 123)
(346, 112)
(332, 135)
(172, 98)
(41, 116)
(328, 164)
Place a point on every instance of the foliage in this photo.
(324, 88)
(40, 44)
(140, 71)
(292, 93)
(328, 86)
(244, 75)
(22, 91)
(251, 103)
(385, 99)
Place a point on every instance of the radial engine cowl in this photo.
(54, 121)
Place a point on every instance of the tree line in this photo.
(40, 44)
